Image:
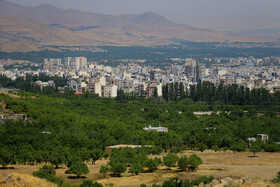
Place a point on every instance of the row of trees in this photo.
(230, 94)
(202, 92)
(137, 160)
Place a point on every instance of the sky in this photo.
(194, 12)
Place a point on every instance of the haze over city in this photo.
(140, 93)
(217, 15)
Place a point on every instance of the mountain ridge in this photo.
(56, 26)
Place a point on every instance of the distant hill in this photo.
(49, 25)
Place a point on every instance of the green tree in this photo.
(56, 157)
(117, 168)
(6, 157)
(156, 150)
(136, 168)
(78, 169)
(183, 163)
(202, 147)
(238, 146)
(104, 170)
(194, 162)
(84, 154)
(152, 164)
(95, 155)
(170, 160)
(155, 93)
(255, 148)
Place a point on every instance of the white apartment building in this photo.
(109, 91)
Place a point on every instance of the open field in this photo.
(219, 164)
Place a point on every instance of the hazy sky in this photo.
(180, 11)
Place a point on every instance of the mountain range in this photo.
(28, 28)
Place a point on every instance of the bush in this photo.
(48, 172)
(205, 180)
(272, 147)
(89, 183)
(175, 182)
(277, 178)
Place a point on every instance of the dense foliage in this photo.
(60, 129)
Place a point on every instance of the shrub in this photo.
(89, 183)
(48, 172)
(205, 180)
(277, 178)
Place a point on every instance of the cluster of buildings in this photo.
(148, 81)
(69, 64)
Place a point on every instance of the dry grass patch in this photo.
(20, 180)
(219, 164)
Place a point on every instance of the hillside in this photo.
(49, 25)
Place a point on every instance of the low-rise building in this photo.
(45, 84)
(159, 128)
